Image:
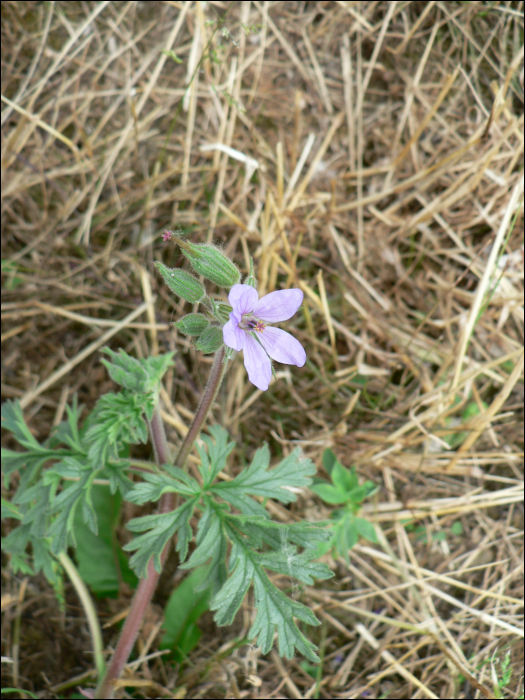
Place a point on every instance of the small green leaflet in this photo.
(162, 527)
(345, 489)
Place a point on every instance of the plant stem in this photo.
(89, 609)
(148, 585)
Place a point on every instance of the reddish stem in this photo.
(147, 586)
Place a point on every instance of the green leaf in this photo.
(9, 510)
(118, 479)
(186, 605)
(161, 527)
(138, 376)
(346, 536)
(329, 493)
(358, 494)
(37, 498)
(366, 529)
(295, 565)
(116, 421)
(343, 479)
(274, 609)
(214, 461)
(13, 420)
(97, 555)
(154, 485)
(126, 370)
(211, 543)
(456, 528)
(329, 460)
(279, 535)
(67, 432)
(293, 472)
(61, 530)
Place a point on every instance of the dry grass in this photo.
(390, 187)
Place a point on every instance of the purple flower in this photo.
(166, 235)
(247, 330)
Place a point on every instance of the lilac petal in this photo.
(242, 298)
(233, 336)
(257, 363)
(278, 306)
(282, 346)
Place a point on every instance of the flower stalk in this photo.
(147, 585)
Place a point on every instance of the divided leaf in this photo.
(116, 420)
(218, 450)
(158, 530)
(154, 485)
(274, 608)
(292, 473)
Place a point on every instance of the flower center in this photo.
(249, 323)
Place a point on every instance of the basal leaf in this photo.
(295, 565)
(154, 485)
(293, 472)
(274, 608)
(159, 528)
(97, 556)
(186, 605)
(218, 449)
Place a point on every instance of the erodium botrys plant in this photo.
(235, 537)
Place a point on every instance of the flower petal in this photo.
(243, 298)
(233, 336)
(282, 346)
(257, 363)
(278, 306)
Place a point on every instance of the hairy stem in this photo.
(147, 585)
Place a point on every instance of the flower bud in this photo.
(182, 283)
(209, 262)
(210, 340)
(192, 324)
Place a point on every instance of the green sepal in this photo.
(192, 324)
(208, 261)
(251, 279)
(182, 283)
(210, 340)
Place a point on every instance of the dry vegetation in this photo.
(389, 137)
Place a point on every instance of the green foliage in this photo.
(257, 543)
(501, 672)
(101, 562)
(54, 498)
(172, 55)
(57, 504)
(186, 605)
(421, 531)
(345, 489)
